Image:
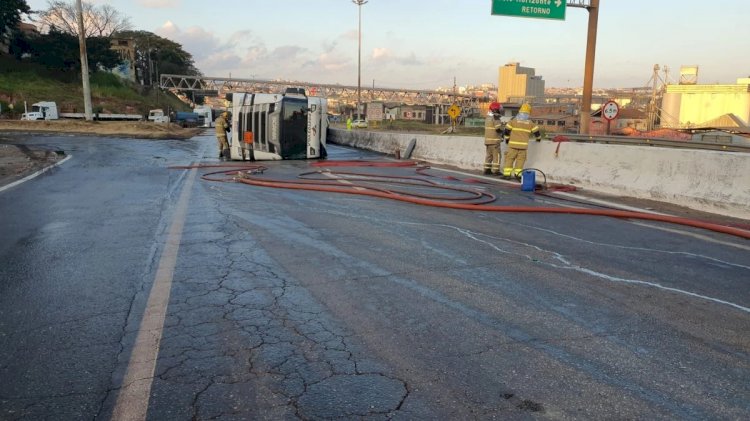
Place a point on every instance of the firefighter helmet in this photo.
(525, 108)
(495, 106)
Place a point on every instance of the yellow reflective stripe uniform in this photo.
(221, 134)
(221, 126)
(518, 132)
(492, 140)
(517, 135)
(491, 135)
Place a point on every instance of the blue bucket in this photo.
(528, 180)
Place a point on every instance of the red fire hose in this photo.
(360, 184)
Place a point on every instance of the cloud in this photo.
(245, 55)
(195, 40)
(286, 53)
(168, 29)
(218, 64)
(333, 61)
(410, 60)
(352, 35)
(329, 46)
(160, 4)
(384, 55)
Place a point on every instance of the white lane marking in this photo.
(133, 398)
(692, 234)
(566, 265)
(570, 266)
(653, 250)
(622, 207)
(655, 285)
(36, 174)
(608, 204)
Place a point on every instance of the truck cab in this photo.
(278, 126)
(45, 110)
(157, 116)
(207, 113)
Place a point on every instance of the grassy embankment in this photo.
(21, 82)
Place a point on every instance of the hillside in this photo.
(109, 94)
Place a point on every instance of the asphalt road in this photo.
(129, 290)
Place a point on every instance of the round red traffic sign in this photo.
(610, 110)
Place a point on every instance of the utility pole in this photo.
(359, 4)
(84, 63)
(588, 78)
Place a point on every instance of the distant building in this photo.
(125, 47)
(692, 105)
(519, 84)
(629, 121)
(5, 35)
(555, 117)
(413, 112)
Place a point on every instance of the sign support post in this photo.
(555, 9)
(588, 74)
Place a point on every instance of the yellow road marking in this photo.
(133, 399)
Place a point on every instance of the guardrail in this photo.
(679, 172)
(646, 141)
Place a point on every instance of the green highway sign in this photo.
(542, 9)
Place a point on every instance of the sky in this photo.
(425, 44)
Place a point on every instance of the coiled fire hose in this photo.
(450, 197)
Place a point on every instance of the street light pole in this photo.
(359, 3)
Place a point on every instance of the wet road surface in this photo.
(132, 291)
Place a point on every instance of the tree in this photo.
(156, 55)
(10, 14)
(98, 20)
(59, 51)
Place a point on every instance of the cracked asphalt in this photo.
(307, 305)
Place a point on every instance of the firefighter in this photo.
(516, 134)
(222, 127)
(493, 129)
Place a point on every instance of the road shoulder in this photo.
(18, 161)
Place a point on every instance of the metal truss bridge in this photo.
(218, 86)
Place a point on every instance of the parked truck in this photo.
(187, 119)
(157, 116)
(208, 115)
(47, 110)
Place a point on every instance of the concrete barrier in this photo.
(710, 181)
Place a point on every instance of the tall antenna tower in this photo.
(689, 75)
(657, 93)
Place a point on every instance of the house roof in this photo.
(728, 122)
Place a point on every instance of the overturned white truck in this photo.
(278, 126)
